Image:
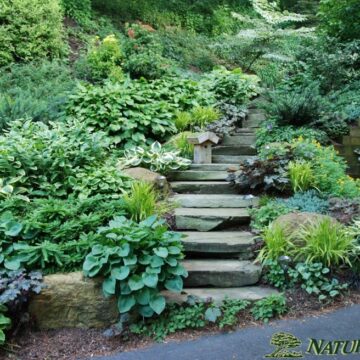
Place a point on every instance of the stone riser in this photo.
(222, 274)
(204, 219)
(215, 201)
(237, 159)
(203, 187)
(239, 140)
(191, 175)
(234, 150)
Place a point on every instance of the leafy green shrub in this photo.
(48, 159)
(232, 87)
(23, 37)
(276, 243)
(277, 275)
(271, 132)
(104, 59)
(143, 54)
(79, 10)
(271, 306)
(156, 158)
(329, 168)
(138, 261)
(301, 175)
(36, 90)
(326, 242)
(136, 112)
(340, 18)
(52, 231)
(141, 202)
(265, 215)
(297, 107)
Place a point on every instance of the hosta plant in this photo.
(137, 261)
(156, 159)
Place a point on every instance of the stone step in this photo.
(246, 131)
(218, 295)
(210, 219)
(215, 200)
(244, 139)
(193, 175)
(214, 167)
(203, 187)
(221, 273)
(234, 150)
(235, 159)
(351, 140)
(219, 242)
(355, 132)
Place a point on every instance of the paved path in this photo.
(254, 343)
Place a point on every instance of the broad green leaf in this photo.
(162, 252)
(90, 262)
(132, 260)
(156, 261)
(124, 250)
(135, 282)
(178, 270)
(108, 286)
(146, 311)
(212, 313)
(120, 273)
(157, 303)
(150, 280)
(175, 285)
(125, 303)
(143, 296)
(13, 229)
(13, 263)
(174, 250)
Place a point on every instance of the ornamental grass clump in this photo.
(327, 242)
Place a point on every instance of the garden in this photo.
(97, 103)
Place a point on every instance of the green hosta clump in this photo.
(137, 260)
(156, 159)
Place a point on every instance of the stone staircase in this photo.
(215, 220)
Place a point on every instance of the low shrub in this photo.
(79, 10)
(181, 144)
(37, 90)
(266, 214)
(23, 38)
(103, 60)
(138, 261)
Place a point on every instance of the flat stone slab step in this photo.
(210, 219)
(234, 150)
(238, 140)
(221, 273)
(236, 159)
(218, 295)
(193, 175)
(214, 167)
(203, 187)
(215, 200)
(215, 242)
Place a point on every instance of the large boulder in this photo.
(142, 174)
(291, 223)
(73, 301)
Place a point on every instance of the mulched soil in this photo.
(71, 344)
